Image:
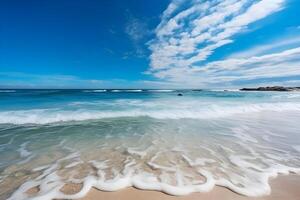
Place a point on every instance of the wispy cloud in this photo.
(282, 43)
(108, 50)
(137, 30)
(32, 81)
(28, 80)
(228, 71)
(282, 64)
(191, 31)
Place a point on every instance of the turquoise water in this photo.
(150, 139)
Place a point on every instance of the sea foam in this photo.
(94, 91)
(172, 178)
(146, 140)
(7, 91)
(44, 116)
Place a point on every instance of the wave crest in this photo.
(44, 116)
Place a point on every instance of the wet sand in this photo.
(283, 188)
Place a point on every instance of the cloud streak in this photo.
(225, 72)
(12, 80)
(137, 31)
(191, 31)
(267, 48)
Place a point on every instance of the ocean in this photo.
(149, 139)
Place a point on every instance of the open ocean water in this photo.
(149, 139)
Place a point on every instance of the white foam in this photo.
(95, 91)
(226, 90)
(198, 161)
(241, 133)
(7, 91)
(27, 159)
(287, 95)
(127, 90)
(23, 151)
(134, 151)
(161, 157)
(242, 174)
(73, 164)
(40, 168)
(133, 90)
(160, 90)
(44, 116)
(50, 186)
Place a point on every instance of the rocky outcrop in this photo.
(272, 88)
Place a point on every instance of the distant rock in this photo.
(272, 88)
(179, 94)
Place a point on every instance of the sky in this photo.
(149, 44)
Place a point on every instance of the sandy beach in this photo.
(283, 188)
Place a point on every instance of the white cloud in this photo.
(27, 80)
(283, 64)
(136, 29)
(53, 81)
(190, 32)
(266, 48)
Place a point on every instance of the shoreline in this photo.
(284, 187)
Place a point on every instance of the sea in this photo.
(110, 139)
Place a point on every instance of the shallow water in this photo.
(150, 139)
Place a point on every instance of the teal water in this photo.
(150, 139)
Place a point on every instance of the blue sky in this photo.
(149, 44)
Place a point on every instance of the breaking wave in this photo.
(7, 91)
(94, 90)
(44, 116)
(163, 142)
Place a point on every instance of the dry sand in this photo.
(283, 188)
